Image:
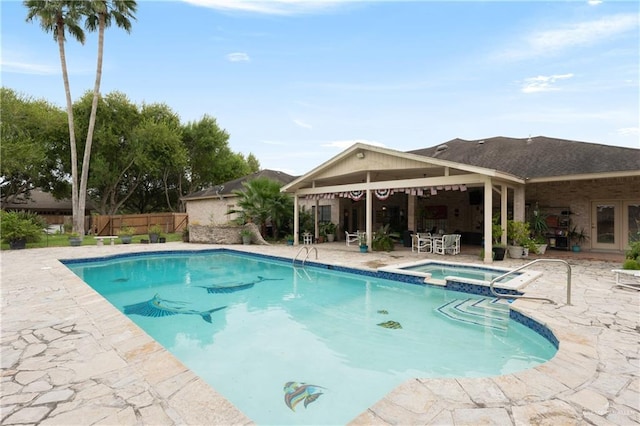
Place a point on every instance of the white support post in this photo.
(488, 208)
(518, 203)
(296, 220)
(504, 194)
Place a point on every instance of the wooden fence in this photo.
(110, 225)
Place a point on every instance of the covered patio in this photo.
(412, 193)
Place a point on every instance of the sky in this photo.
(297, 82)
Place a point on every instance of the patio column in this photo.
(488, 208)
(296, 220)
(518, 203)
(504, 193)
(369, 211)
(411, 213)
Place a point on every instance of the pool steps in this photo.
(483, 312)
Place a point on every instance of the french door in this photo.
(614, 224)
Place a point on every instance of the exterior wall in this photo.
(211, 211)
(578, 196)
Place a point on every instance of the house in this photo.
(214, 206)
(54, 211)
(459, 185)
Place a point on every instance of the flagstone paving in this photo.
(70, 357)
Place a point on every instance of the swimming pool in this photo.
(450, 273)
(308, 346)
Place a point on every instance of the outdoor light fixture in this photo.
(360, 155)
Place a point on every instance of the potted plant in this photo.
(518, 235)
(539, 228)
(19, 228)
(154, 233)
(362, 242)
(382, 241)
(126, 233)
(75, 240)
(289, 239)
(496, 233)
(185, 235)
(328, 229)
(578, 237)
(246, 235)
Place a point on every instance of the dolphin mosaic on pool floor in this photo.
(70, 357)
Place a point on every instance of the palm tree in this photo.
(261, 201)
(58, 17)
(100, 14)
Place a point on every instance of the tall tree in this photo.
(211, 161)
(58, 17)
(31, 132)
(100, 14)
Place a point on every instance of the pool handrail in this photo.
(526, 265)
(308, 249)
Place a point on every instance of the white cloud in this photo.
(29, 68)
(572, 35)
(594, 2)
(629, 131)
(238, 57)
(543, 83)
(271, 7)
(302, 124)
(344, 144)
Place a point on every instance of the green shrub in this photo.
(634, 251)
(631, 264)
(15, 226)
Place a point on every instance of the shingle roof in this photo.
(227, 188)
(39, 200)
(537, 157)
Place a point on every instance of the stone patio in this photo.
(70, 357)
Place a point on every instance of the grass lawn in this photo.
(61, 240)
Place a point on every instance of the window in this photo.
(324, 213)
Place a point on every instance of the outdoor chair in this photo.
(422, 243)
(351, 238)
(447, 244)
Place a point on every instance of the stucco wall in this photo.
(212, 211)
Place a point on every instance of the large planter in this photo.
(153, 238)
(126, 239)
(364, 249)
(498, 253)
(575, 248)
(330, 238)
(541, 248)
(516, 252)
(246, 240)
(18, 244)
(75, 241)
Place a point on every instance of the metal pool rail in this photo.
(510, 296)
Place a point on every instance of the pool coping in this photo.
(80, 360)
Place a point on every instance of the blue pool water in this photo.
(308, 346)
